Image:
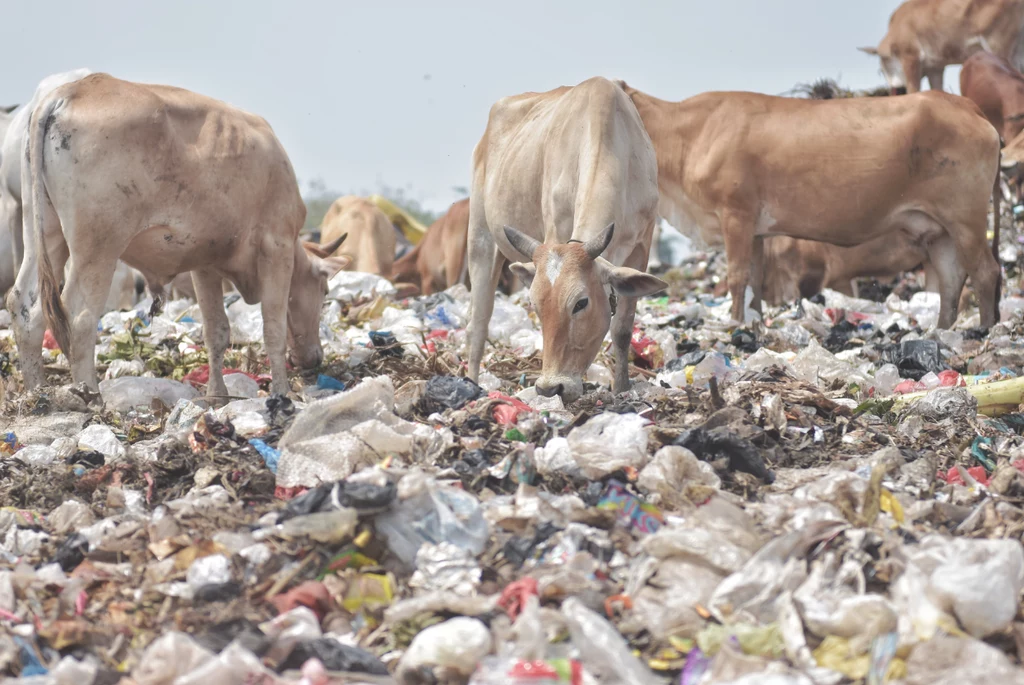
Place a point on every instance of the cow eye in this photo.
(581, 305)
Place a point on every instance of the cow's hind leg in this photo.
(84, 296)
(942, 256)
(216, 329)
(975, 256)
(485, 262)
(24, 301)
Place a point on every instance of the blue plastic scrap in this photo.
(325, 382)
(271, 456)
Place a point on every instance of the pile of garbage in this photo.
(831, 493)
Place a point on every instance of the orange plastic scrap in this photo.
(623, 600)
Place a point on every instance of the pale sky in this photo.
(363, 93)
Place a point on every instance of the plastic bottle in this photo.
(886, 379)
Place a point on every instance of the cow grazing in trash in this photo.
(439, 261)
(925, 36)
(734, 168)
(169, 181)
(371, 238)
(566, 179)
(124, 291)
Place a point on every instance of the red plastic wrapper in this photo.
(907, 386)
(648, 353)
(201, 375)
(951, 379)
(312, 594)
(507, 414)
(976, 472)
(513, 597)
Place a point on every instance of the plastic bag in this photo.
(128, 392)
(609, 442)
(101, 439)
(946, 660)
(975, 581)
(451, 392)
(428, 512)
(168, 657)
(457, 645)
(602, 649)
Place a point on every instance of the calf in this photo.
(169, 181)
(566, 179)
(925, 36)
(734, 168)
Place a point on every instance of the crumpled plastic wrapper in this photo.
(943, 403)
(445, 568)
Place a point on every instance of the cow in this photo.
(168, 181)
(567, 180)
(998, 89)
(439, 260)
(925, 36)
(734, 168)
(13, 130)
(371, 237)
(796, 269)
(435, 264)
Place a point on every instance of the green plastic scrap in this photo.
(763, 641)
(981, 450)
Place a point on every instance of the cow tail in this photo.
(49, 286)
(996, 193)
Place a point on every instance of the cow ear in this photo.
(632, 283)
(525, 271)
(330, 266)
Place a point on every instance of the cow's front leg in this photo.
(216, 328)
(622, 333)
(275, 323)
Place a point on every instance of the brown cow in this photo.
(998, 89)
(439, 261)
(925, 36)
(562, 178)
(435, 264)
(802, 268)
(737, 167)
(169, 181)
(371, 237)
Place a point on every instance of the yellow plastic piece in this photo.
(994, 399)
(412, 229)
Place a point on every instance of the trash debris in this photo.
(833, 492)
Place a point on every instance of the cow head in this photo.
(312, 269)
(892, 69)
(569, 286)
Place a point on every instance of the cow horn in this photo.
(8, 109)
(599, 243)
(522, 242)
(332, 246)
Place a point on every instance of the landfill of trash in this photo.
(832, 494)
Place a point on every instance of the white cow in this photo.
(13, 130)
(566, 179)
(169, 181)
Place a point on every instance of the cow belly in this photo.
(702, 228)
(165, 251)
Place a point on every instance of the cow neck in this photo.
(672, 127)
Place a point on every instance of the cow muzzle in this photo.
(568, 388)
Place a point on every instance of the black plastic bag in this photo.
(718, 443)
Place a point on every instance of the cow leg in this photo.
(757, 274)
(84, 297)
(739, 249)
(485, 263)
(942, 255)
(934, 76)
(622, 324)
(275, 319)
(216, 329)
(912, 72)
(24, 300)
(10, 210)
